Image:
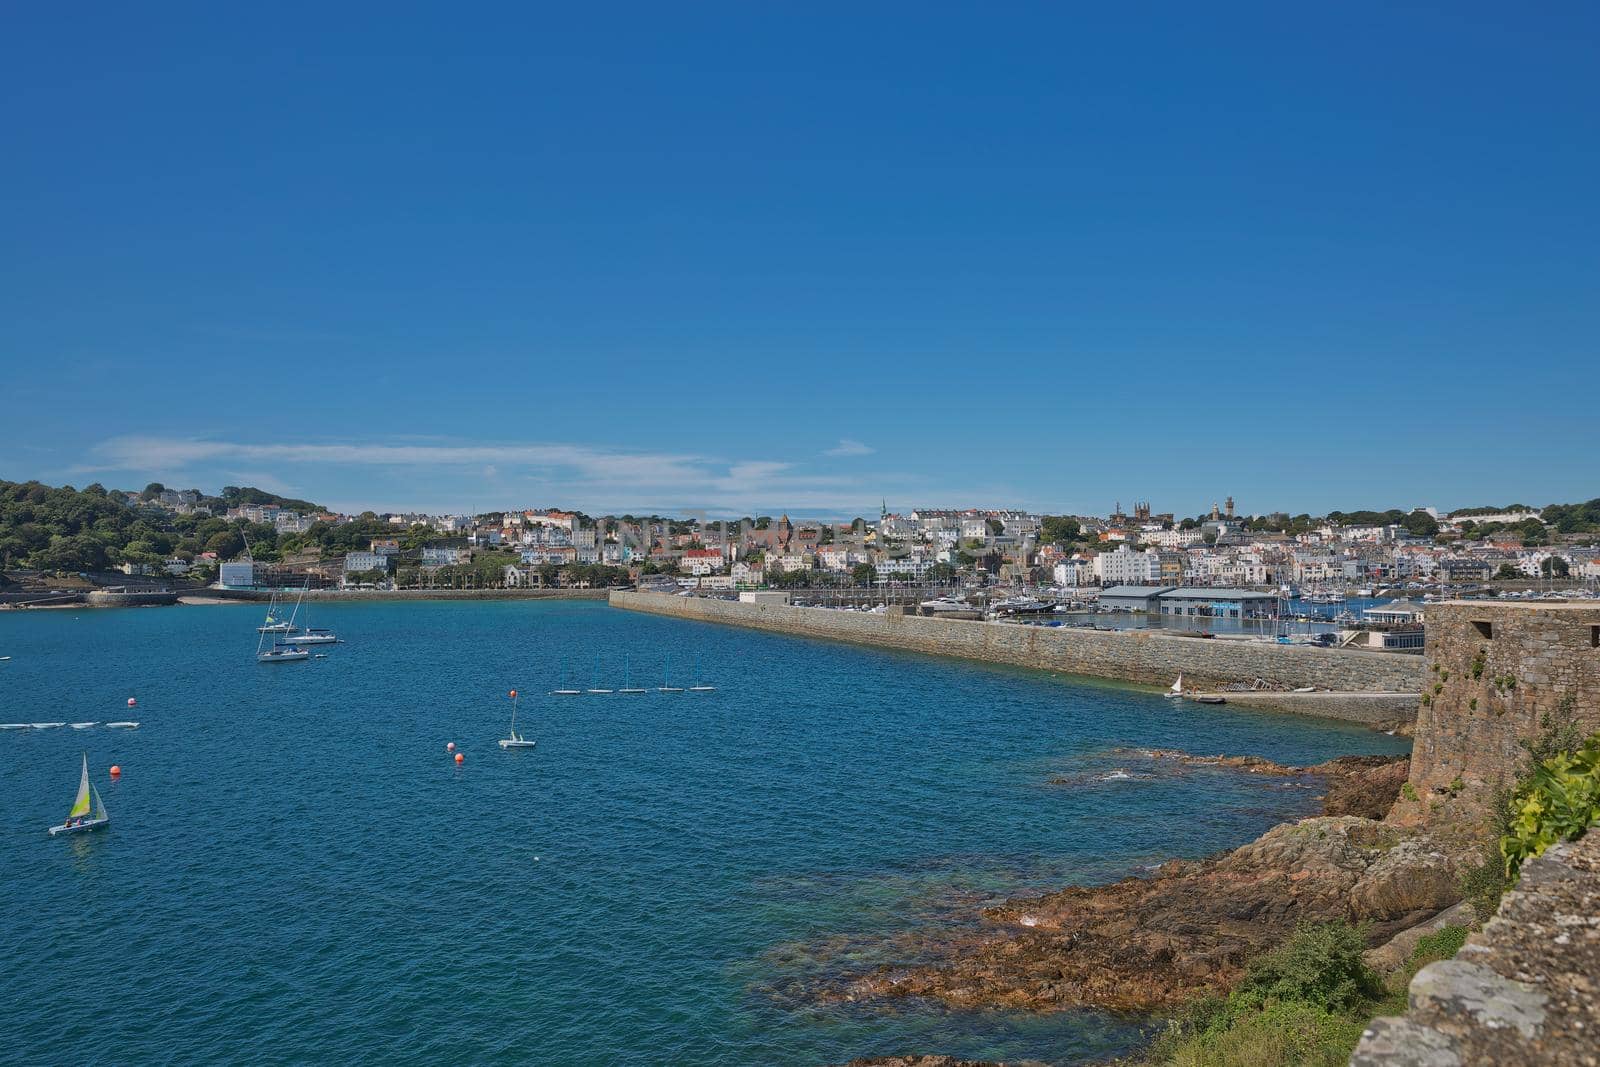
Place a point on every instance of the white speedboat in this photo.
(84, 814)
(46, 725)
(122, 726)
(83, 725)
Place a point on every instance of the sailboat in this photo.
(314, 635)
(275, 625)
(700, 686)
(280, 652)
(666, 685)
(566, 689)
(515, 740)
(1177, 687)
(594, 681)
(84, 815)
(627, 676)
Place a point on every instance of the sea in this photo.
(297, 869)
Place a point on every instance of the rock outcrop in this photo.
(1150, 943)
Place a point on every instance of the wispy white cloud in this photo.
(592, 477)
(849, 447)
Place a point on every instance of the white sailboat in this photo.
(275, 625)
(313, 635)
(666, 685)
(699, 686)
(594, 681)
(84, 814)
(1177, 687)
(627, 676)
(567, 689)
(280, 652)
(514, 739)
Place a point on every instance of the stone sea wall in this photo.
(1494, 672)
(1133, 656)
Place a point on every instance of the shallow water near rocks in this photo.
(296, 870)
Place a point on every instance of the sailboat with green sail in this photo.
(88, 812)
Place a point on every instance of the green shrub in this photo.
(1320, 965)
(1407, 791)
(1558, 802)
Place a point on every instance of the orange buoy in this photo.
(513, 694)
(132, 702)
(115, 771)
(451, 747)
(460, 758)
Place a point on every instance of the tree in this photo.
(1554, 567)
(153, 490)
(942, 572)
(1507, 573)
(996, 527)
(1420, 524)
(1188, 524)
(1060, 528)
(863, 574)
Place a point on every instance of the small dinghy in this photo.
(122, 726)
(1210, 699)
(1177, 687)
(700, 686)
(515, 740)
(84, 814)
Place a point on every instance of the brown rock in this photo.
(1147, 943)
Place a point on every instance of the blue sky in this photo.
(805, 257)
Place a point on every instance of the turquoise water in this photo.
(297, 871)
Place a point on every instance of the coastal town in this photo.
(1222, 563)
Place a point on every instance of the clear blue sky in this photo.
(753, 256)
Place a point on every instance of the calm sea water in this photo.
(296, 870)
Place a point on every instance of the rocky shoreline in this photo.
(1148, 944)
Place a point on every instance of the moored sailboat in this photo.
(88, 812)
(514, 739)
(699, 686)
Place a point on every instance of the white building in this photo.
(1124, 566)
(365, 561)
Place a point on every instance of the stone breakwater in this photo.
(1132, 656)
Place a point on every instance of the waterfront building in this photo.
(1222, 603)
(1141, 598)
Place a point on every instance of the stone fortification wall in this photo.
(1134, 656)
(1494, 671)
(1526, 990)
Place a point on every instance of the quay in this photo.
(1356, 685)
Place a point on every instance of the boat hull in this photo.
(280, 657)
(79, 828)
(519, 743)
